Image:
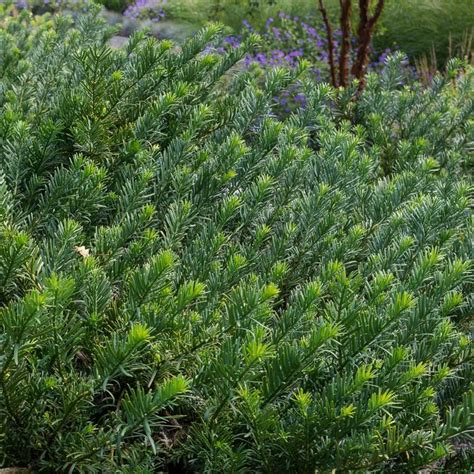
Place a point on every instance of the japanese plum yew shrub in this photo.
(189, 284)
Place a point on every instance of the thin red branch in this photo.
(365, 32)
(330, 41)
(363, 16)
(346, 27)
(378, 12)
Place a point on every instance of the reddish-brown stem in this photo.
(344, 57)
(363, 16)
(329, 35)
(365, 32)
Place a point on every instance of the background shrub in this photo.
(189, 283)
(418, 27)
(116, 5)
(415, 27)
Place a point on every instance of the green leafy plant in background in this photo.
(116, 5)
(418, 27)
(414, 27)
(188, 283)
(229, 12)
(40, 7)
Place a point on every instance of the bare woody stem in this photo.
(346, 27)
(330, 40)
(365, 32)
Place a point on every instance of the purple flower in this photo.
(247, 25)
(269, 22)
(300, 97)
(261, 58)
(312, 32)
(146, 9)
(295, 54)
(233, 41)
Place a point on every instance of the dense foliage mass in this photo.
(190, 284)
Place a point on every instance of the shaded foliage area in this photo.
(189, 283)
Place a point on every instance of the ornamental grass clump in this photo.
(189, 284)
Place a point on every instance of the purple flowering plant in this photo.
(288, 39)
(153, 10)
(146, 9)
(42, 6)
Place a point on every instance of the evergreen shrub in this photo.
(188, 284)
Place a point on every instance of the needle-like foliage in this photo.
(188, 283)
